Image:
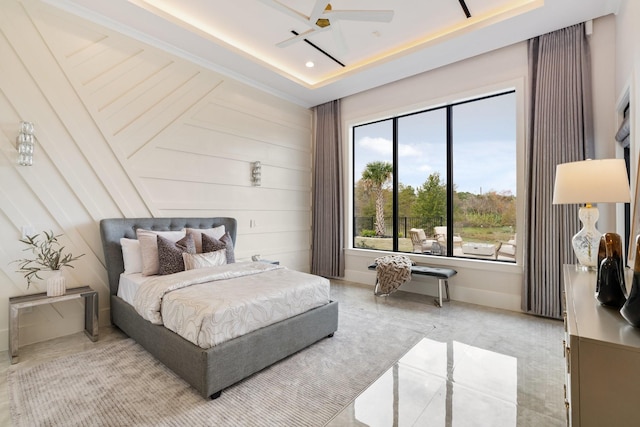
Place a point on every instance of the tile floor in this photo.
(477, 367)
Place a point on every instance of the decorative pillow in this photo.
(170, 254)
(209, 259)
(210, 244)
(149, 247)
(216, 233)
(131, 255)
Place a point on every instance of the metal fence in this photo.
(405, 224)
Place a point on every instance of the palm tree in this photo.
(376, 176)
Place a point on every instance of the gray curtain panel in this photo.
(327, 253)
(560, 131)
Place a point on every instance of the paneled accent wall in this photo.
(127, 130)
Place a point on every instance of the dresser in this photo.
(602, 357)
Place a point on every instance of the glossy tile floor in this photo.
(475, 366)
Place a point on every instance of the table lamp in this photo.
(590, 181)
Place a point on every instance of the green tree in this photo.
(431, 200)
(364, 203)
(376, 177)
(406, 199)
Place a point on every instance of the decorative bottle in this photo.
(631, 309)
(602, 254)
(610, 289)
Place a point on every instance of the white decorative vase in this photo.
(56, 284)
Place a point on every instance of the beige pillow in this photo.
(149, 247)
(215, 232)
(209, 259)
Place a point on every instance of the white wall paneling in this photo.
(126, 130)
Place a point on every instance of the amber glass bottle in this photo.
(610, 289)
(602, 254)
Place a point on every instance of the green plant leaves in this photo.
(48, 256)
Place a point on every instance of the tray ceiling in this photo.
(245, 38)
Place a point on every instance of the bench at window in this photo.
(443, 275)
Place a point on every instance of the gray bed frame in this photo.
(210, 370)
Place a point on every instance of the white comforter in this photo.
(211, 305)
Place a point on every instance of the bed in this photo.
(208, 370)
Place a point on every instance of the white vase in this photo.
(56, 284)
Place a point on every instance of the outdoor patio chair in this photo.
(507, 249)
(441, 235)
(419, 240)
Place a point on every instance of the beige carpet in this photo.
(124, 385)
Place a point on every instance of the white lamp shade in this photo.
(592, 181)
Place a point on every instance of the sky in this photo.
(484, 148)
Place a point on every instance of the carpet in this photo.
(124, 385)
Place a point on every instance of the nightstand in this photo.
(90, 313)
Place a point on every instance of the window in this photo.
(448, 172)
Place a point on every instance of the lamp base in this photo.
(587, 240)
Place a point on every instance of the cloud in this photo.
(384, 146)
(405, 150)
(378, 145)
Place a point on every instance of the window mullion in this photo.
(450, 180)
(394, 209)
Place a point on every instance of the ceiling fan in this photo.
(323, 18)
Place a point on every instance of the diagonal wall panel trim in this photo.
(128, 130)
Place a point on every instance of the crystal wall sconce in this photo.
(256, 174)
(26, 141)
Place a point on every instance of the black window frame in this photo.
(449, 162)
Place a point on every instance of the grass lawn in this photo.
(485, 235)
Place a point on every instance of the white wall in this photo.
(604, 102)
(125, 130)
(481, 282)
(627, 88)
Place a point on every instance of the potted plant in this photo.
(49, 255)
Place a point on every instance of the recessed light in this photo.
(309, 64)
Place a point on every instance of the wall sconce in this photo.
(26, 141)
(256, 174)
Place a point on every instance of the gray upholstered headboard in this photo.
(111, 230)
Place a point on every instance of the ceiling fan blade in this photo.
(318, 8)
(288, 11)
(300, 37)
(338, 38)
(360, 15)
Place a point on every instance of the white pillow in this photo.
(149, 247)
(209, 259)
(131, 255)
(216, 233)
